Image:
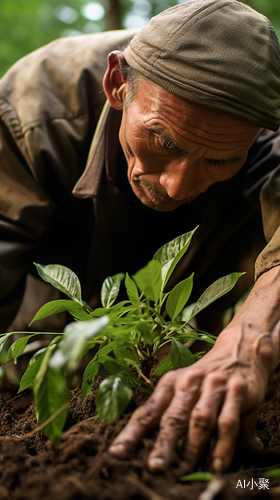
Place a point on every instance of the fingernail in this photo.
(218, 465)
(117, 449)
(156, 463)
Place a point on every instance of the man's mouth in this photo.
(157, 198)
(153, 194)
(161, 198)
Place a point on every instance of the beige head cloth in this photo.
(218, 53)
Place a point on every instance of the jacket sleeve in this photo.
(50, 102)
(26, 212)
(270, 204)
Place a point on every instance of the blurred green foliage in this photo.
(270, 9)
(26, 25)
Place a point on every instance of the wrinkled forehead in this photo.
(158, 111)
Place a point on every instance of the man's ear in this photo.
(113, 82)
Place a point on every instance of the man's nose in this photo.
(185, 179)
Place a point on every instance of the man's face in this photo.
(175, 149)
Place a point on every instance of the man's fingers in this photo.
(144, 418)
(203, 418)
(187, 401)
(228, 428)
(174, 424)
(249, 438)
(233, 421)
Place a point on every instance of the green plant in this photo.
(198, 476)
(273, 473)
(126, 335)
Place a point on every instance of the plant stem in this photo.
(159, 346)
(144, 377)
(158, 316)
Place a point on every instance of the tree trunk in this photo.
(114, 15)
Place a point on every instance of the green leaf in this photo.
(164, 366)
(103, 357)
(28, 378)
(274, 473)
(51, 392)
(63, 279)
(129, 319)
(187, 312)
(89, 344)
(113, 398)
(80, 314)
(198, 476)
(111, 365)
(135, 383)
(185, 337)
(17, 348)
(90, 373)
(180, 355)
(148, 279)
(126, 353)
(215, 291)
(3, 339)
(146, 331)
(110, 289)
(178, 297)
(131, 290)
(116, 309)
(55, 307)
(36, 355)
(41, 372)
(87, 306)
(130, 361)
(169, 255)
(74, 340)
(107, 348)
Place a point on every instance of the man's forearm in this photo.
(256, 326)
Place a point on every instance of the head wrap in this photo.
(218, 53)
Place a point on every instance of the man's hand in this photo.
(222, 392)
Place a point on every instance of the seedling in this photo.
(127, 335)
(198, 476)
(274, 473)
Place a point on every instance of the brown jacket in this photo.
(50, 103)
(58, 204)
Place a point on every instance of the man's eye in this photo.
(219, 163)
(167, 143)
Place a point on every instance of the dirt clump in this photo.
(33, 468)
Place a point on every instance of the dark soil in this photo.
(33, 468)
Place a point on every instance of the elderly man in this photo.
(181, 143)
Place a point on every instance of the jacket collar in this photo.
(97, 181)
